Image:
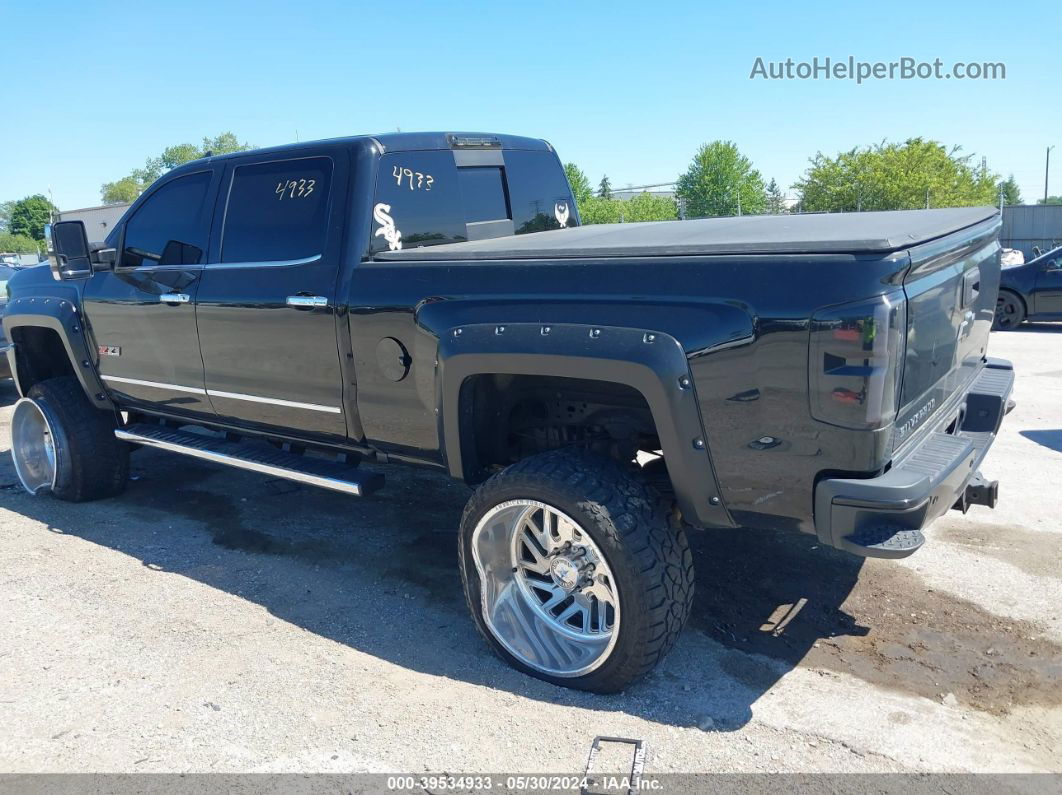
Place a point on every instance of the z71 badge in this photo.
(110, 350)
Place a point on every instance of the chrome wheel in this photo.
(548, 594)
(33, 447)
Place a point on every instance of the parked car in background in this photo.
(1032, 291)
(6, 272)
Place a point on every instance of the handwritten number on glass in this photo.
(295, 188)
(416, 179)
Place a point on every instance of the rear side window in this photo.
(538, 192)
(418, 201)
(171, 226)
(277, 211)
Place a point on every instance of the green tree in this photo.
(5, 214)
(895, 177)
(19, 244)
(721, 181)
(604, 188)
(642, 207)
(28, 216)
(1011, 193)
(1050, 200)
(579, 183)
(647, 207)
(775, 199)
(597, 210)
(123, 191)
(129, 187)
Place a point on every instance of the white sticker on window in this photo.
(560, 209)
(387, 228)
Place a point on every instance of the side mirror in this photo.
(73, 259)
(103, 258)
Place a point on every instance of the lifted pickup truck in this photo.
(432, 299)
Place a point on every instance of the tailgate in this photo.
(951, 292)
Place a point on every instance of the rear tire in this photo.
(1010, 311)
(63, 444)
(621, 550)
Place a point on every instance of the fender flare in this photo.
(651, 362)
(62, 316)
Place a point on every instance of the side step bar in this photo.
(256, 458)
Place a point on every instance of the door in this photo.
(266, 302)
(1047, 297)
(142, 314)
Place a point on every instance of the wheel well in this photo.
(509, 417)
(39, 354)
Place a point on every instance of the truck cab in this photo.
(230, 294)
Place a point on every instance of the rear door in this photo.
(142, 314)
(266, 304)
(1047, 296)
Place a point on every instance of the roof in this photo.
(398, 142)
(853, 233)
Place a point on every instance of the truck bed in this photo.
(849, 233)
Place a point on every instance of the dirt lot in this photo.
(211, 620)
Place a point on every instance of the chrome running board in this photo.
(255, 457)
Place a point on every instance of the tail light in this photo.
(856, 360)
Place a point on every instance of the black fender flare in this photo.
(652, 362)
(59, 313)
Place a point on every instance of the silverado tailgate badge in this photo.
(387, 226)
(560, 209)
(110, 350)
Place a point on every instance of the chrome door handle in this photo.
(308, 301)
(174, 298)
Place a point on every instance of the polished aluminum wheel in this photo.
(548, 594)
(32, 447)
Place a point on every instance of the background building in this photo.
(99, 221)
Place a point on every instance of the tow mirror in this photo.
(72, 260)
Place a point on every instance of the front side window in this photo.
(277, 211)
(171, 226)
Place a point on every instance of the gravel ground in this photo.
(213, 620)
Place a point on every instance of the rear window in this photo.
(277, 211)
(538, 192)
(423, 198)
(483, 193)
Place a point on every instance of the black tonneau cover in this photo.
(854, 233)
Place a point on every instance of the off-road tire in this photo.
(626, 518)
(90, 462)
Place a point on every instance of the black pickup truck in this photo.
(308, 310)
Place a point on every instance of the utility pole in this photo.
(1047, 171)
(927, 198)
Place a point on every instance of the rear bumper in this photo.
(883, 516)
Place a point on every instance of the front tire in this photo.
(1010, 311)
(573, 572)
(63, 444)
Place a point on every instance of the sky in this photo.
(624, 89)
